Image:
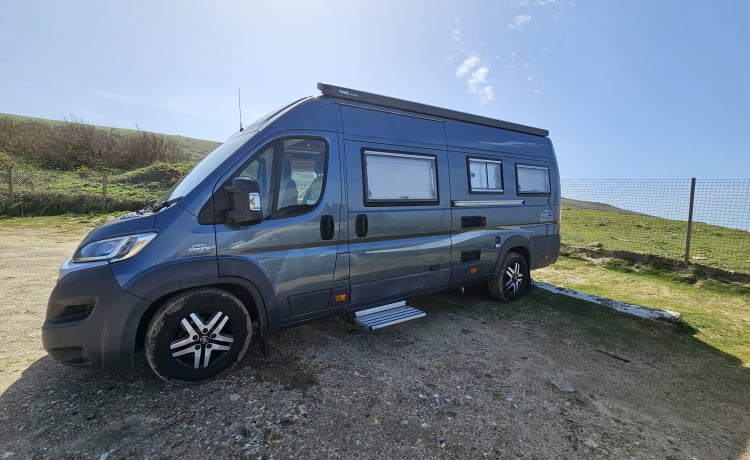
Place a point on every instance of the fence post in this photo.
(690, 221)
(10, 183)
(105, 180)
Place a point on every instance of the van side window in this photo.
(303, 164)
(291, 174)
(532, 179)
(485, 175)
(261, 169)
(399, 178)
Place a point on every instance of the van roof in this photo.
(424, 109)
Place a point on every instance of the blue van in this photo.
(342, 203)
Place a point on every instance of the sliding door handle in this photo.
(360, 225)
(327, 228)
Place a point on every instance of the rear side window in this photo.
(532, 179)
(485, 175)
(399, 178)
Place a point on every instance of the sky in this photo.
(627, 89)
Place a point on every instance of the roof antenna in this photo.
(239, 104)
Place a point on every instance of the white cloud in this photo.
(519, 22)
(473, 69)
(478, 78)
(485, 94)
(457, 47)
(457, 35)
(537, 2)
(469, 63)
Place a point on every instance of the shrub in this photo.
(53, 203)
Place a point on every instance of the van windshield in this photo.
(206, 166)
(218, 156)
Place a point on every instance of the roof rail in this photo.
(424, 109)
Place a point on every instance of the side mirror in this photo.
(244, 201)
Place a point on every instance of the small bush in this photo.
(164, 174)
(54, 203)
(619, 265)
(83, 171)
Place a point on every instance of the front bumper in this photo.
(91, 321)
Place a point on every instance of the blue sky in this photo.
(628, 89)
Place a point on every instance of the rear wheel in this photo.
(514, 278)
(197, 335)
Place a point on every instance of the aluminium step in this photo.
(387, 315)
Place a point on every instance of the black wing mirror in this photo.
(244, 201)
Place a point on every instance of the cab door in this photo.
(293, 251)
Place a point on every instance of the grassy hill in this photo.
(615, 229)
(594, 205)
(39, 176)
(195, 149)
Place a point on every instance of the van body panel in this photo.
(188, 240)
(391, 127)
(290, 251)
(477, 137)
(406, 245)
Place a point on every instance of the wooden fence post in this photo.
(105, 180)
(10, 183)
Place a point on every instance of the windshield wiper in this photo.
(154, 208)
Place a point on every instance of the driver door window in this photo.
(261, 169)
(291, 181)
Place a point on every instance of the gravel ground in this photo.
(546, 377)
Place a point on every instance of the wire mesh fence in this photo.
(704, 221)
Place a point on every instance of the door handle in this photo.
(360, 225)
(327, 229)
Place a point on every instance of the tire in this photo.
(197, 335)
(514, 278)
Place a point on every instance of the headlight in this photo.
(113, 249)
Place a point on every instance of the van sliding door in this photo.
(398, 220)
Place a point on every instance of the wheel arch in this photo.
(245, 291)
(518, 244)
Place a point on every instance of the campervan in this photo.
(343, 203)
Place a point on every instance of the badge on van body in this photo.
(546, 216)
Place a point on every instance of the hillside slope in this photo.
(195, 149)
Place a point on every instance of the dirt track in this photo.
(546, 377)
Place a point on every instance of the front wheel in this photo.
(514, 279)
(196, 335)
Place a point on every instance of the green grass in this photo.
(39, 191)
(609, 230)
(718, 310)
(67, 222)
(195, 149)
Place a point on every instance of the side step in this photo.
(387, 315)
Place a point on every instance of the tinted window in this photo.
(290, 174)
(485, 175)
(532, 179)
(400, 177)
